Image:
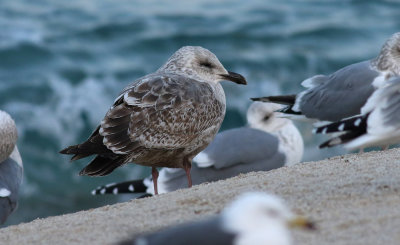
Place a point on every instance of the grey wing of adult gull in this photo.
(339, 95)
(240, 145)
(10, 180)
(199, 233)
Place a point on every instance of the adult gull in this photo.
(378, 124)
(344, 92)
(254, 218)
(163, 119)
(267, 143)
(11, 169)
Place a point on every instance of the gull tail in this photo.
(342, 139)
(356, 124)
(94, 145)
(103, 165)
(127, 187)
(279, 99)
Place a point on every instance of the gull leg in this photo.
(361, 150)
(154, 173)
(384, 148)
(187, 166)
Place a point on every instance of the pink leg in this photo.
(384, 148)
(187, 167)
(361, 150)
(154, 173)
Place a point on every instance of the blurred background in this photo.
(62, 63)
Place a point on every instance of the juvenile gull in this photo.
(344, 92)
(252, 219)
(267, 143)
(378, 124)
(163, 119)
(10, 167)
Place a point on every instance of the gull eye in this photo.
(266, 118)
(206, 64)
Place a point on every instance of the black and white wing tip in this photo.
(128, 187)
(357, 123)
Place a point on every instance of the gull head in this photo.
(8, 135)
(258, 215)
(200, 64)
(389, 57)
(264, 116)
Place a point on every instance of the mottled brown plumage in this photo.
(163, 119)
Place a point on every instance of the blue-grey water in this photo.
(63, 62)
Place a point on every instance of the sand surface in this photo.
(354, 199)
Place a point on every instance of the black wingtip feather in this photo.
(92, 146)
(341, 139)
(144, 196)
(289, 110)
(280, 99)
(69, 150)
(102, 165)
(331, 142)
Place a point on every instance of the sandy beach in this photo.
(354, 199)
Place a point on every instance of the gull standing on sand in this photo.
(267, 143)
(378, 124)
(163, 119)
(11, 169)
(344, 92)
(254, 218)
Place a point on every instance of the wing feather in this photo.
(339, 95)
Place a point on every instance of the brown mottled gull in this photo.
(163, 119)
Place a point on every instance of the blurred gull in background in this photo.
(10, 166)
(254, 218)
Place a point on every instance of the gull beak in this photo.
(301, 222)
(234, 77)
